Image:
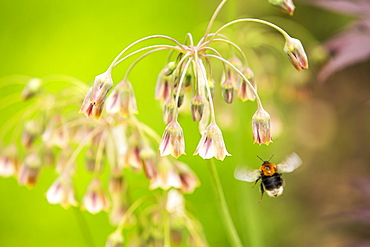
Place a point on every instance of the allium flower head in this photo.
(172, 140)
(296, 54)
(212, 144)
(61, 192)
(95, 199)
(286, 6)
(122, 100)
(261, 127)
(95, 97)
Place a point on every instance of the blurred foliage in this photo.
(327, 125)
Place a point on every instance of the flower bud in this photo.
(197, 107)
(61, 192)
(212, 144)
(172, 140)
(95, 97)
(95, 199)
(286, 6)
(244, 91)
(261, 127)
(170, 67)
(227, 91)
(169, 111)
(30, 131)
(32, 88)
(29, 170)
(296, 54)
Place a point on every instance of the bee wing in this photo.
(244, 173)
(290, 163)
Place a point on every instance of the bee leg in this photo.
(262, 192)
(256, 181)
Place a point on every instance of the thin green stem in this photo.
(84, 227)
(224, 211)
(285, 34)
(141, 40)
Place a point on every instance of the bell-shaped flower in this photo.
(227, 87)
(31, 130)
(95, 199)
(189, 181)
(148, 157)
(197, 107)
(166, 176)
(286, 6)
(122, 100)
(8, 161)
(261, 127)
(29, 170)
(244, 91)
(95, 97)
(163, 87)
(212, 144)
(169, 110)
(296, 54)
(172, 140)
(61, 192)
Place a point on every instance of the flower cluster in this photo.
(189, 70)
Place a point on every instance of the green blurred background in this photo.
(327, 124)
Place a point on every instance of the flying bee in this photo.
(270, 174)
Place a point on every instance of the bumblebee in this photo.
(270, 174)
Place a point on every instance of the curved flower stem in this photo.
(259, 103)
(143, 49)
(212, 21)
(139, 59)
(225, 214)
(140, 40)
(285, 34)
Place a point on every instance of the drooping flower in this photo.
(31, 130)
(95, 97)
(148, 157)
(61, 192)
(122, 100)
(8, 161)
(166, 176)
(95, 199)
(227, 91)
(286, 6)
(163, 87)
(261, 127)
(244, 91)
(296, 54)
(32, 88)
(172, 140)
(29, 170)
(197, 107)
(189, 180)
(212, 144)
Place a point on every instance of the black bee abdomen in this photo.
(272, 182)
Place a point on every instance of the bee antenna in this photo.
(271, 157)
(260, 158)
